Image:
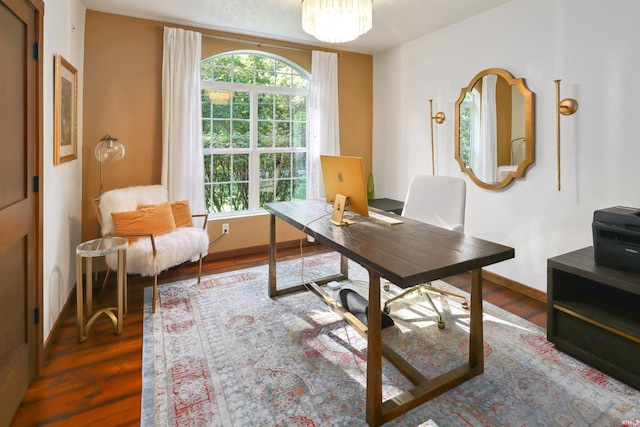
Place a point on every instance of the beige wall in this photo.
(122, 97)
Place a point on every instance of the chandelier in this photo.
(336, 21)
(219, 97)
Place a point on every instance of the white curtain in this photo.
(484, 155)
(323, 136)
(182, 161)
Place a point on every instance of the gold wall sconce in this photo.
(439, 119)
(566, 107)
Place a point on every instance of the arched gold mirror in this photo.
(494, 130)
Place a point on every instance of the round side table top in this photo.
(102, 246)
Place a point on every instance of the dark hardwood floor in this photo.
(99, 382)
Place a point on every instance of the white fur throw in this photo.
(127, 199)
(181, 245)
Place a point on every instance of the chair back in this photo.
(437, 200)
(128, 199)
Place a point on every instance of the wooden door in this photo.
(20, 90)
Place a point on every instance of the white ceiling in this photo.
(394, 21)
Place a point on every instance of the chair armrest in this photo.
(204, 222)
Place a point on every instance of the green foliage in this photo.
(465, 129)
(227, 182)
(280, 123)
(250, 68)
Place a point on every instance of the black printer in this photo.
(616, 237)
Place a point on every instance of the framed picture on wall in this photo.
(65, 111)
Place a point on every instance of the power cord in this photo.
(346, 329)
(326, 214)
(217, 239)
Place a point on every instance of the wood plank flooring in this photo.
(99, 382)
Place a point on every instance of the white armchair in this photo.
(158, 241)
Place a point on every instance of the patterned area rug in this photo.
(222, 353)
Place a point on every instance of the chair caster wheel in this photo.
(465, 305)
(386, 287)
(387, 310)
(440, 324)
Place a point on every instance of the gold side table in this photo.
(97, 248)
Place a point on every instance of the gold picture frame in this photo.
(65, 111)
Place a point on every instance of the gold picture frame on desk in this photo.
(65, 111)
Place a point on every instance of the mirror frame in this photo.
(529, 129)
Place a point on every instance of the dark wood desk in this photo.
(405, 254)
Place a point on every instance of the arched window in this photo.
(254, 112)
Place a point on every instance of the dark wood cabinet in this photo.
(593, 314)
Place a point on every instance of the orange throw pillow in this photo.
(182, 213)
(156, 219)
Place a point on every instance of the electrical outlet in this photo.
(225, 228)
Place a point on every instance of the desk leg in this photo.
(344, 267)
(374, 353)
(272, 256)
(273, 291)
(476, 349)
(89, 285)
(126, 283)
(79, 299)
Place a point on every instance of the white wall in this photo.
(61, 184)
(592, 46)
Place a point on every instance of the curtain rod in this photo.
(259, 44)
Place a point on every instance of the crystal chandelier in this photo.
(336, 21)
(219, 97)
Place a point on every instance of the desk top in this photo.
(406, 254)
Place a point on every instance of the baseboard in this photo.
(55, 327)
(521, 288)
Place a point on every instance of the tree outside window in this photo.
(466, 127)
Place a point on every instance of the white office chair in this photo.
(439, 201)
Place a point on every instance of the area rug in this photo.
(222, 353)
